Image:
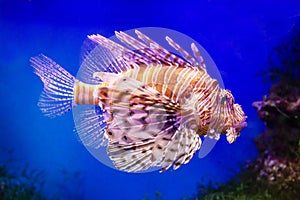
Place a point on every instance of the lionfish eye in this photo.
(224, 99)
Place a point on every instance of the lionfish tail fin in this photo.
(57, 96)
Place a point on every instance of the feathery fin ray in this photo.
(58, 95)
(147, 51)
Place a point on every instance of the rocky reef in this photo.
(279, 145)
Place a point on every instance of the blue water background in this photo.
(238, 35)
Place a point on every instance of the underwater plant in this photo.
(19, 181)
(158, 196)
(244, 185)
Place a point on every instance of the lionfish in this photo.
(151, 105)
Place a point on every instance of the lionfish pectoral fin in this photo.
(90, 125)
(134, 152)
(181, 149)
(207, 145)
(147, 129)
(213, 134)
(140, 155)
(58, 94)
(231, 135)
(210, 140)
(173, 145)
(134, 157)
(139, 111)
(160, 151)
(144, 122)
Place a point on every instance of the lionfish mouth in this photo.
(240, 121)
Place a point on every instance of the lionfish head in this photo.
(240, 117)
(234, 116)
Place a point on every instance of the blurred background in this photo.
(238, 35)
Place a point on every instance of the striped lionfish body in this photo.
(154, 105)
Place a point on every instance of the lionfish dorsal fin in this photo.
(197, 62)
(100, 58)
(152, 50)
(161, 53)
(146, 55)
(198, 56)
(120, 53)
(146, 51)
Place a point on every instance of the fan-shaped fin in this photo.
(57, 97)
(161, 53)
(121, 53)
(183, 52)
(145, 51)
(138, 109)
(146, 54)
(198, 56)
(166, 149)
(181, 149)
(90, 125)
(100, 59)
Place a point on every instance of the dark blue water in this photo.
(238, 36)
